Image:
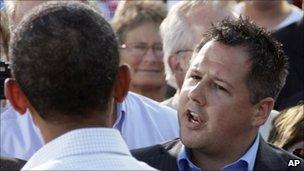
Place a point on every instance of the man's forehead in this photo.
(199, 56)
(225, 55)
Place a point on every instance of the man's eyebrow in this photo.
(224, 81)
(195, 69)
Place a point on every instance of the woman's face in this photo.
(142, 50)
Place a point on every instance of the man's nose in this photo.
(198, 93)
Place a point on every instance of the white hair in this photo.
(178, 32)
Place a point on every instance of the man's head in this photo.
(65, 61)
(236, 73)
(182, 30)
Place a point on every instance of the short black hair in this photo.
(269, 65)
(65, 59)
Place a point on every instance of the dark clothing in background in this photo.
(11, 164)
(293, 44)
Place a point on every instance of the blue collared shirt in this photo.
(20, 138)
(245, 163)
(144, 122)
(2, 6)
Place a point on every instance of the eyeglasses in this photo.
(184, 53)
(183, 56)
(140, 49)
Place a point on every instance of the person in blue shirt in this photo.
(235, 75)
(1, 4)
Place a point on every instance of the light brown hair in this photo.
(130, 14)
(4, 32)
(288, 127)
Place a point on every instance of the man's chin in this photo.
(188, 141)
(192, 141)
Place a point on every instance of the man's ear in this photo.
(15, 96)
(122, 82)
(263, 109)
(174, 63)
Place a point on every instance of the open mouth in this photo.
(193, 117)
(194, 120)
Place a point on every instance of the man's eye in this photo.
(220, 87)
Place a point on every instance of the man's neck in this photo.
(216, 160)
(51, 130)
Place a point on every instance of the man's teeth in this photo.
(195, 116)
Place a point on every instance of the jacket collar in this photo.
(267, 159)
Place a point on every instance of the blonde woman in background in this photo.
(4, 40)
(287, 131)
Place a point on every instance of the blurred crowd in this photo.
(152, 85)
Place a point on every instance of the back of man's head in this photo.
(65, 59)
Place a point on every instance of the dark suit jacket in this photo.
(164, 157)
(11, 163)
